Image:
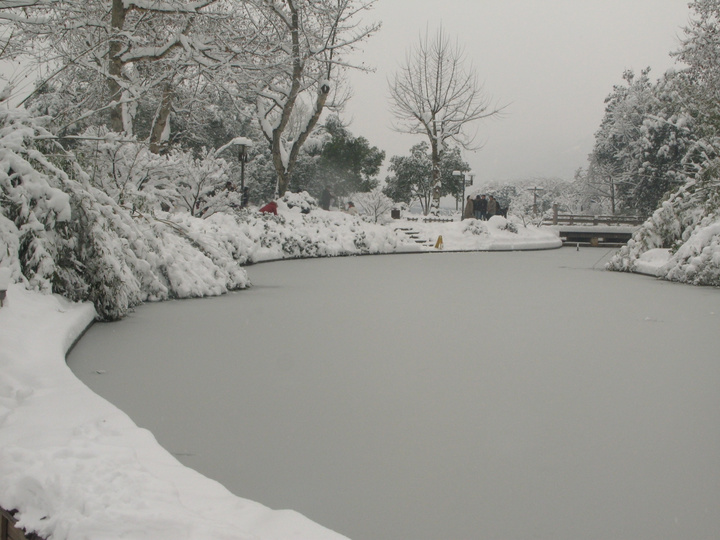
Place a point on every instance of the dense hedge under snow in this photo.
(61, 233)
(688, 226)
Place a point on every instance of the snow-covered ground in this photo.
(652, 261)
(470, 395)
(76, 467)
(496, 234)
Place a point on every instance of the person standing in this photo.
(492, 207)
(481, 207)
(325, 199)
(469, 211)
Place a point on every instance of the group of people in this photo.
(482, 208)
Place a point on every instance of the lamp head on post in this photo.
(243, 144)
(243, 152)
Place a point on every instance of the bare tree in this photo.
(309, 39)
(436, 95)
(374, 204)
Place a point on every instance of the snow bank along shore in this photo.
(679, 242)
(73, 466)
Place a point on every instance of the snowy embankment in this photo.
(496, 234)
(696, 261)
(679, 242)
(73, 466)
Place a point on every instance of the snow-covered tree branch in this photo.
(309, 39)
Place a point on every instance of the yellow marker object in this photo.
(439, 243)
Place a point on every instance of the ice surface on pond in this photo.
(475, 395)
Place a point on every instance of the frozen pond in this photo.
(454, 396)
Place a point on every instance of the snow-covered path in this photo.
(476, 395)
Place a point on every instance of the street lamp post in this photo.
(243, 144)
(535, 190)
(243, 159)
(466, 181)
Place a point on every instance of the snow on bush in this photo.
(697, 261)
(101, 235)
(35, 210)
(107, 227)
(374, 205)
(503, 224)
(63, 234)
(687, 224)
(91, 227)
(137, 178)
(303, 201)
(475, 227)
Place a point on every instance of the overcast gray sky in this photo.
(552, 61)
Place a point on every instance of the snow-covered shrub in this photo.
(202, 184)
(303, 201)
(475, 227)
(141, 180)
(10, 247)
(502, 224)
(374, 204)
(124, 169)
(63, 234)
(687, 223)
(32, 201)
(697, 261)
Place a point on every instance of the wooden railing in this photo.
(9, 531)
(430, 219)
(575, 219)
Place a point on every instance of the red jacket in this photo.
(270, 208)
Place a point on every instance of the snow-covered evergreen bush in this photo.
(302, 201)
(35, 210)
(475, 227)
(688, 224)
(63, 234)
(697, 261)
(503, 224)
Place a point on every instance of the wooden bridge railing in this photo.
(8, 530)
(576, 219)
(430, 219)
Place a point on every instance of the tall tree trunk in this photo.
(284, 179)
(435, 183)
(161, 121)
(115, 67)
